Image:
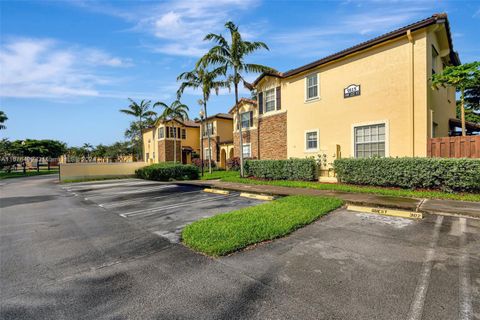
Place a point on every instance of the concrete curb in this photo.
(423, 206)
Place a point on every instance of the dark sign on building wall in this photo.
(351, 91)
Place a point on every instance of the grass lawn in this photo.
(229, 232)
(20, 174)
(233, 176)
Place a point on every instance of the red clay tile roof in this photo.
(436, 18)
(243, 100)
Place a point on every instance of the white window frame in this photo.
(274, 100)
(241, 121)
(206, 133)
(371, 123)
(206, 154)
(161, 130)
(249, 148)
(306, 87)
(317, 131)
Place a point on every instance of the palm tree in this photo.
(3, 118)
(87, 147)
(143, 114)
(232, 57)
(176, 111)
(200, 77)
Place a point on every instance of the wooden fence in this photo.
(454, 147)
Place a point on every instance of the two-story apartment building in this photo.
(158, 141)
(373, 99)
(219, 128)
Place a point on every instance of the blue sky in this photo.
(66, 67)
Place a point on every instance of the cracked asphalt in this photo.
(110, 250)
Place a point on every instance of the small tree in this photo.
(462, 77)
(176, 111)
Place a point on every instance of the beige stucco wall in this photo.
(80, 171)
(245, 106)
(193, 138)
(441, 102)
(150, 145)
(224, 129)
(388, 88)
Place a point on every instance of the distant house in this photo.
(158, 141)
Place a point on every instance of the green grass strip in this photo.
(233, 176)
(229, 232)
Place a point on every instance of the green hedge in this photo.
(414, 173)
(291, 169)
(168, 172)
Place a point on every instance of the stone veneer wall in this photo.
(165, 150)
(272, 131)
(248, 136)
(213, 145)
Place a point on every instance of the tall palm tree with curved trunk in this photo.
(175, 111)
(3, 118)
(88, 148)
(202, 78)
(143, 114)
(231, 56)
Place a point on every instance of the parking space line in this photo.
(132, 201)
(151, 211)
(99, 186)
(106, 195)
(416, 308)
(465, 295)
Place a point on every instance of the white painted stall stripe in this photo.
(416, 308)
(151, 211)
(465, 293)
(136, 200)
(109, 194)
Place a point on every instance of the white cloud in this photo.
(359, 25)
(47, 68)
(179, 25)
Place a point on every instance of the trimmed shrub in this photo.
(446, 174)
(233, 164)
(168, 172)
(291, 169)
(197, 162)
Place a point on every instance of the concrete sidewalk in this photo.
(431, 206)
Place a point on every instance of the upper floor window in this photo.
(161, 133)
(208, 130)
(246, 118)
(434, 60)
(312, 86)
(270, 100)
(369, 141)
(184, 134)
(311, 140)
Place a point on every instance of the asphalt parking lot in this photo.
(164, 209)
(64, 257)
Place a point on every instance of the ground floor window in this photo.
(147, 155)
(311, 140)
(370, 141)
(247, 150)
(207, 154)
